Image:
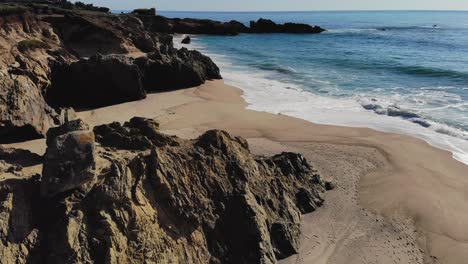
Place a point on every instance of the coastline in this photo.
(402, 178)
(267, 94)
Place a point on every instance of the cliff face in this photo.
(45, 62)
(139, 196)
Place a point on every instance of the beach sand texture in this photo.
(398, 199)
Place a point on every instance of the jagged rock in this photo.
(19, 207)
(137, 134)
(73, 125)
(70, 159)
(186, 40)
(66, 69)
(24, 114)
(97, 81)
(193, 26)
(187, 68)
(207, 200)
(212, 27)
(285, 238)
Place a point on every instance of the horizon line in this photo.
(324, 10)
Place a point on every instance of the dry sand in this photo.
(398, 199)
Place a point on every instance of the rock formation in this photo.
(138, 196)
(212, 27)
(52, 57)
(97, 81)
(268, 26)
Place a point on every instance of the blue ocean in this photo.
(394, 71)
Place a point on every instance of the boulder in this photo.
(186, 40)
(180, 69)
(70, 159)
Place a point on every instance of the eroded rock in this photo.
(70, 159)
(268, 26)
(97, 81)
(207, 200)
(54, 52)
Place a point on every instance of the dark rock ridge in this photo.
(99, 80)
(268, 26)
(212, 27)
(137, 196)
(52, 57)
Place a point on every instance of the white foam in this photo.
(268, 95)
(271, 96)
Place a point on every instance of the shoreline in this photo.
(260, 91)
(402, 178)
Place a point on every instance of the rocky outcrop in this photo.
(169, 200)
(24, 114)
(268, 26)
(97, 81)
(181, 69)
(112, 79)
(212, 27)
(137, 134)
(193, 26)
(70, 159)
(52, 58)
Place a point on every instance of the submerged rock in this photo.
(207, 200)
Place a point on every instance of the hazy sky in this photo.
(283, 5)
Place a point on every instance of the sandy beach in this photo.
(398, 199)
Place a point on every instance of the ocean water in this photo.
(394, 71)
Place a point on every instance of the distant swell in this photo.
(274, 67)
(433, 27)
(413, 70)
(432, 72)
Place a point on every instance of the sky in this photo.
(282, 5)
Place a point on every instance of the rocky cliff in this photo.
(129, 194)
(53, 58)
